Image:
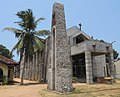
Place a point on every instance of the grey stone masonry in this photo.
(89, 74)
(60, 71)
(112, 69)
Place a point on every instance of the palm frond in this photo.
(17, 46)
(38, 20)
(43, 33)
(14, 30)
(38, 44)
(28, 38)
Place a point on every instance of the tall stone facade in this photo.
(60, 69)
(53, 65)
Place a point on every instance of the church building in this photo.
(70, 53)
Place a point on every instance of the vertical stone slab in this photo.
(89, 74)
(40, 67)
(36, 66)
(31, 73)
(61, 69)
(28, 68)
(33, 67)
(112, 69)
(37, 58)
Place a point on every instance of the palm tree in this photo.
(28, 38)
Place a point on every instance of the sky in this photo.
(99, 18)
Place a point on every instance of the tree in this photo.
(29, 40)
(115, 54)
(5, 52)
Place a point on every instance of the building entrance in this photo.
(79, 69)
(1, 74)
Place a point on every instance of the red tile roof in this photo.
(7, 61)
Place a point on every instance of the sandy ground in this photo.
(30, 89)
(33, 89)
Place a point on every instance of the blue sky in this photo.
(99, 18)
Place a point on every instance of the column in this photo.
(37, 57)
(89, 74)
(112, 69)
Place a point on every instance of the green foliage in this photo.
(4, 80)
(5, 52)
(74, 79)
(115, 54)
(102, 41)
(29, 39)
(76, 91)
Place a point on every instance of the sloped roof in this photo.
(7, 61)
(73, 31)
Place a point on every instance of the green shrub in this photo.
(74, 79)
(4, 80)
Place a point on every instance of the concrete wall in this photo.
(97, 50)
(35, 68)
(11, 75)
(117, 65)
(102, 47)
(87, 45)
(99, 63)
(78, 48)
(75, 31)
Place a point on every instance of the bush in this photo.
(74, 79)
(4, 80)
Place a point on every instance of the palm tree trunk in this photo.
(22, 75)
(23, 69)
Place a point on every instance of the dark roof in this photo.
(7, 61)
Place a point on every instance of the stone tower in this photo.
(60, 68)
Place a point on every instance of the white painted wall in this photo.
(4, 67)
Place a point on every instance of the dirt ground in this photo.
(29, 89)
(33, 89)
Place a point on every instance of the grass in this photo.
(84, 90)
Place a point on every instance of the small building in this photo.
(7, 68)
(117, 67)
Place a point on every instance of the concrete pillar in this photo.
(21, 67)
(40, 67)
(28, 68)
(89, 73)
(112, 69)
(60, 70)
(37, 57)
(25, 72)
(33, 66)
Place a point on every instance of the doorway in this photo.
(79, 69)
(1, 74)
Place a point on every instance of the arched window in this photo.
(1, 74)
